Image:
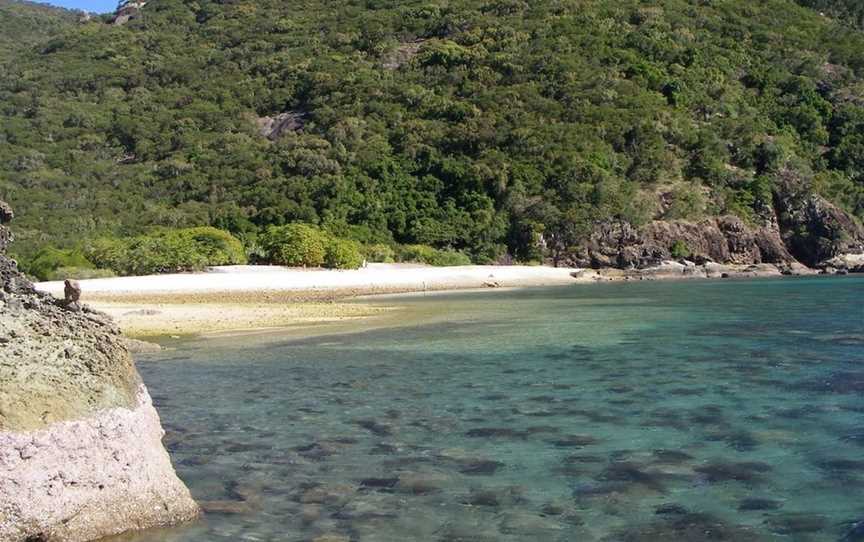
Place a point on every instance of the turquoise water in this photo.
(645, 411)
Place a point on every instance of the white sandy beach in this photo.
(373, 278)
(253, 297)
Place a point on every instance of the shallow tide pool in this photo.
(727, 410)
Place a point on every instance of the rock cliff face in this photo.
(81, 455)
(801, 227)
(816, 230)
(126, 11)
(725, 239)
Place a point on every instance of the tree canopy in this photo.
(490, 127)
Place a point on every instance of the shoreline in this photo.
(253, 298)
(249, 298)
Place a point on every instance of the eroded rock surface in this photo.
(726, 239)
(816, 230)
(276, 126)
(80, 443)
(799, 227)
(127, 11)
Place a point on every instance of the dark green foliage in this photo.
(431, 256)
(343, 254)
(167, 251)
(687, 202)
(295, 245)
(26, 24)
(846, 11)
(49, 259)
(679, 250)
(489, 128)
(379, 253)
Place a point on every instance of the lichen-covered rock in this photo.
(80, 444)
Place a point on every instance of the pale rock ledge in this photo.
(85, 479)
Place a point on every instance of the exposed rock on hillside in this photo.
(402, 54)
(726, 239)
(127, 11)
(816, 230)
(800, 227)
(274, 127)
(80, 443)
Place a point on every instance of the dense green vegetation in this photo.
(493, 128)
(431, 256)
(165, 250)
(50, 263)
(849, 12)
(159, 251)
(24, 25)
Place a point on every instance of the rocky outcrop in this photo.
(275, 127)
(816, 230)
(402, 54)
(685, 269)
(80, 443)
(725, 239)
(127, 11)
(800, 228)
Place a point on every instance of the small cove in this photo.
(645, 411)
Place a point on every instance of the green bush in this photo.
(163, 254)
(343, 254)
(379, 253)
(167, 251)
(679, 250)
(48, 259)
(217, 246)
(295, 245)
(447, 258)
(108, 253)
(688, 202)
(431, 256)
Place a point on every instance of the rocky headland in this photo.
(81, 453)
(800, 232)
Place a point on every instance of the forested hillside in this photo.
(23, 24)
(845, 11)
(493, 127)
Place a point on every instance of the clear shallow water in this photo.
(649, 411)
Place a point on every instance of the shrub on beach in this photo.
(217, 246)
(379, 253)
(343, 254)
(431, 256)
(44, 264)
(108, 253)
(304, 245)
(167, 251)
(147, 255)
(295, 245)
